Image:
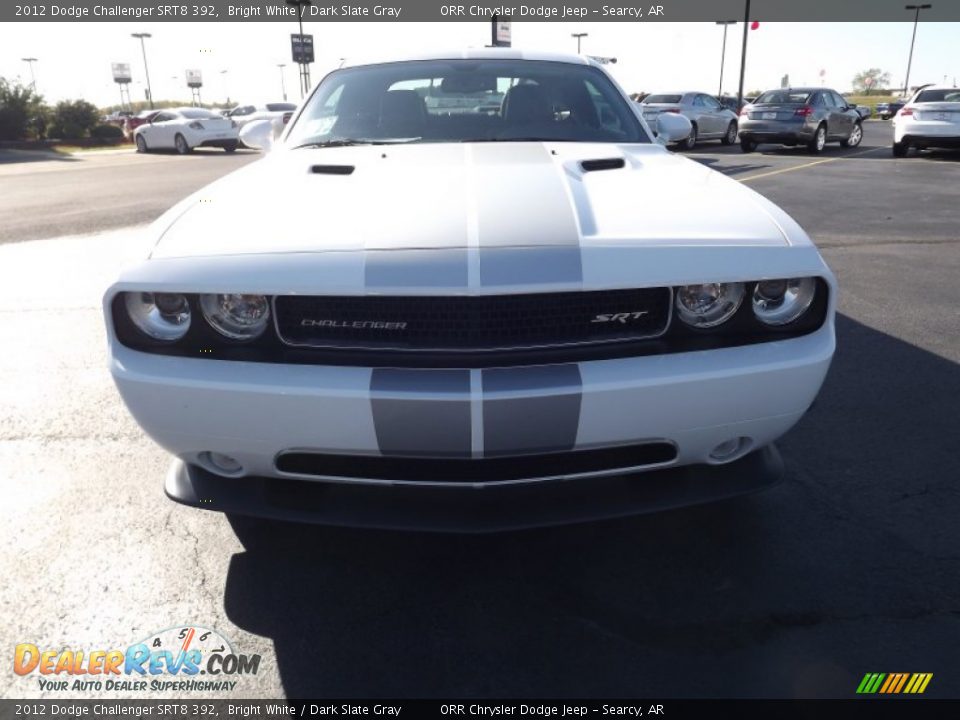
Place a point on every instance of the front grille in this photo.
(478, 470)
(495, 323)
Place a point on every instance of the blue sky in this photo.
(74, 58)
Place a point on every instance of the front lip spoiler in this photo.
(473, 510)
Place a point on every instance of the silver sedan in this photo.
(710, 120)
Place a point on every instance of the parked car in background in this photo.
(134, 121)
(117, 117)
(865, 111)
(887, 110)
(800, 116)
(242, 114)
(184, 129)
(931, 118)
(709, 119)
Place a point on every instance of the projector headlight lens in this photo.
(780, 302)
(238, 317)
(709, 304)
(162, 316)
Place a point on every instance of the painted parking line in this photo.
(809, 164)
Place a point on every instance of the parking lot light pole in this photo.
(579, 37)
(33, 78)
(283, 82)
(916, 21)
(143, 48)
(723, 52)
(743, 53)
(226, 87)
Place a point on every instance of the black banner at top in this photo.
(438, 10)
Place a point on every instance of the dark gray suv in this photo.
(800, 116)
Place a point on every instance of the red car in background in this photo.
(132, 123)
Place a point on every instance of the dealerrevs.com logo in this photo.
(180, 659)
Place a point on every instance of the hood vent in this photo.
(332, 169)
(603, 164)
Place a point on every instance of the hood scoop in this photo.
(332, 169)
(603, 164)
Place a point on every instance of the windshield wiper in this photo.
(347, 142)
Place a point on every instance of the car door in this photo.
(847, 114)
(158, 132)
(701, 116)
(834, 116)
(718, 118)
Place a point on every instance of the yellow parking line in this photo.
(806, 165)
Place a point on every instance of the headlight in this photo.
(162, 316)
(710, 304)
(238, 317)
(778, 302)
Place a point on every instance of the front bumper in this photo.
(259, 413)
(473, 510)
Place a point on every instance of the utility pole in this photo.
(723, 52)
(743, 52)
(33, 78)
(916, 21)
(143, 48)
(579, 37)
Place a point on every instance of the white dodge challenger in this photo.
(468, 292)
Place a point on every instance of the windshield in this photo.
(466, 101)
(661, 99)
(784, 96)
(946, 95)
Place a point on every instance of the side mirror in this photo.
(672, 128)
(258, 135)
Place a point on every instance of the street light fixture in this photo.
(579, 37)
(283, 82)
(916, 20)
(723, 52)
(33, 79)
(141, 37)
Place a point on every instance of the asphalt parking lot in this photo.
(848, 566)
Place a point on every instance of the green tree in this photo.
(74, 119)
(21, 111)
(873, 79)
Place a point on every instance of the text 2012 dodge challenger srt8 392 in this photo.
(467, 292)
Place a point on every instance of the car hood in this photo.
(468, 195)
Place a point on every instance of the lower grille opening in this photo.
(477, 470)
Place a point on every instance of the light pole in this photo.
(33, 78)
(579, 37)
(743, 53)
(143, 48)
(226, 88)
(916, 20)
(723, 52)
(283, 82)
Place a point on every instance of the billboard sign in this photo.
(302, 48)
(121, 72)
(194, 79)
(501, 32)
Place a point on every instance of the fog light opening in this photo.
(221, 464)
(731, 449)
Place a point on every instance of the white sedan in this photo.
(183, 129)
(931, 118)
(410, 317)
(280, 112)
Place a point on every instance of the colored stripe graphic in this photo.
(894, 683)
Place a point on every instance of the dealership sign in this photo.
(501, 32)
(302, 48)
(121, 72)
(194, 79)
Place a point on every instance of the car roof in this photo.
(470, 54)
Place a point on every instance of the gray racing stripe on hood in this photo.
(538, 409)
(421, 412)
(415, 268)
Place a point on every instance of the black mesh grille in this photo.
(475, 323)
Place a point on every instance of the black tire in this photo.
(731, 137)
(230, 148)
(748, 146)
(180, 143)
(900, 149)
(141, 144)
(818, 141)
(856, 137)
(691, 142)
